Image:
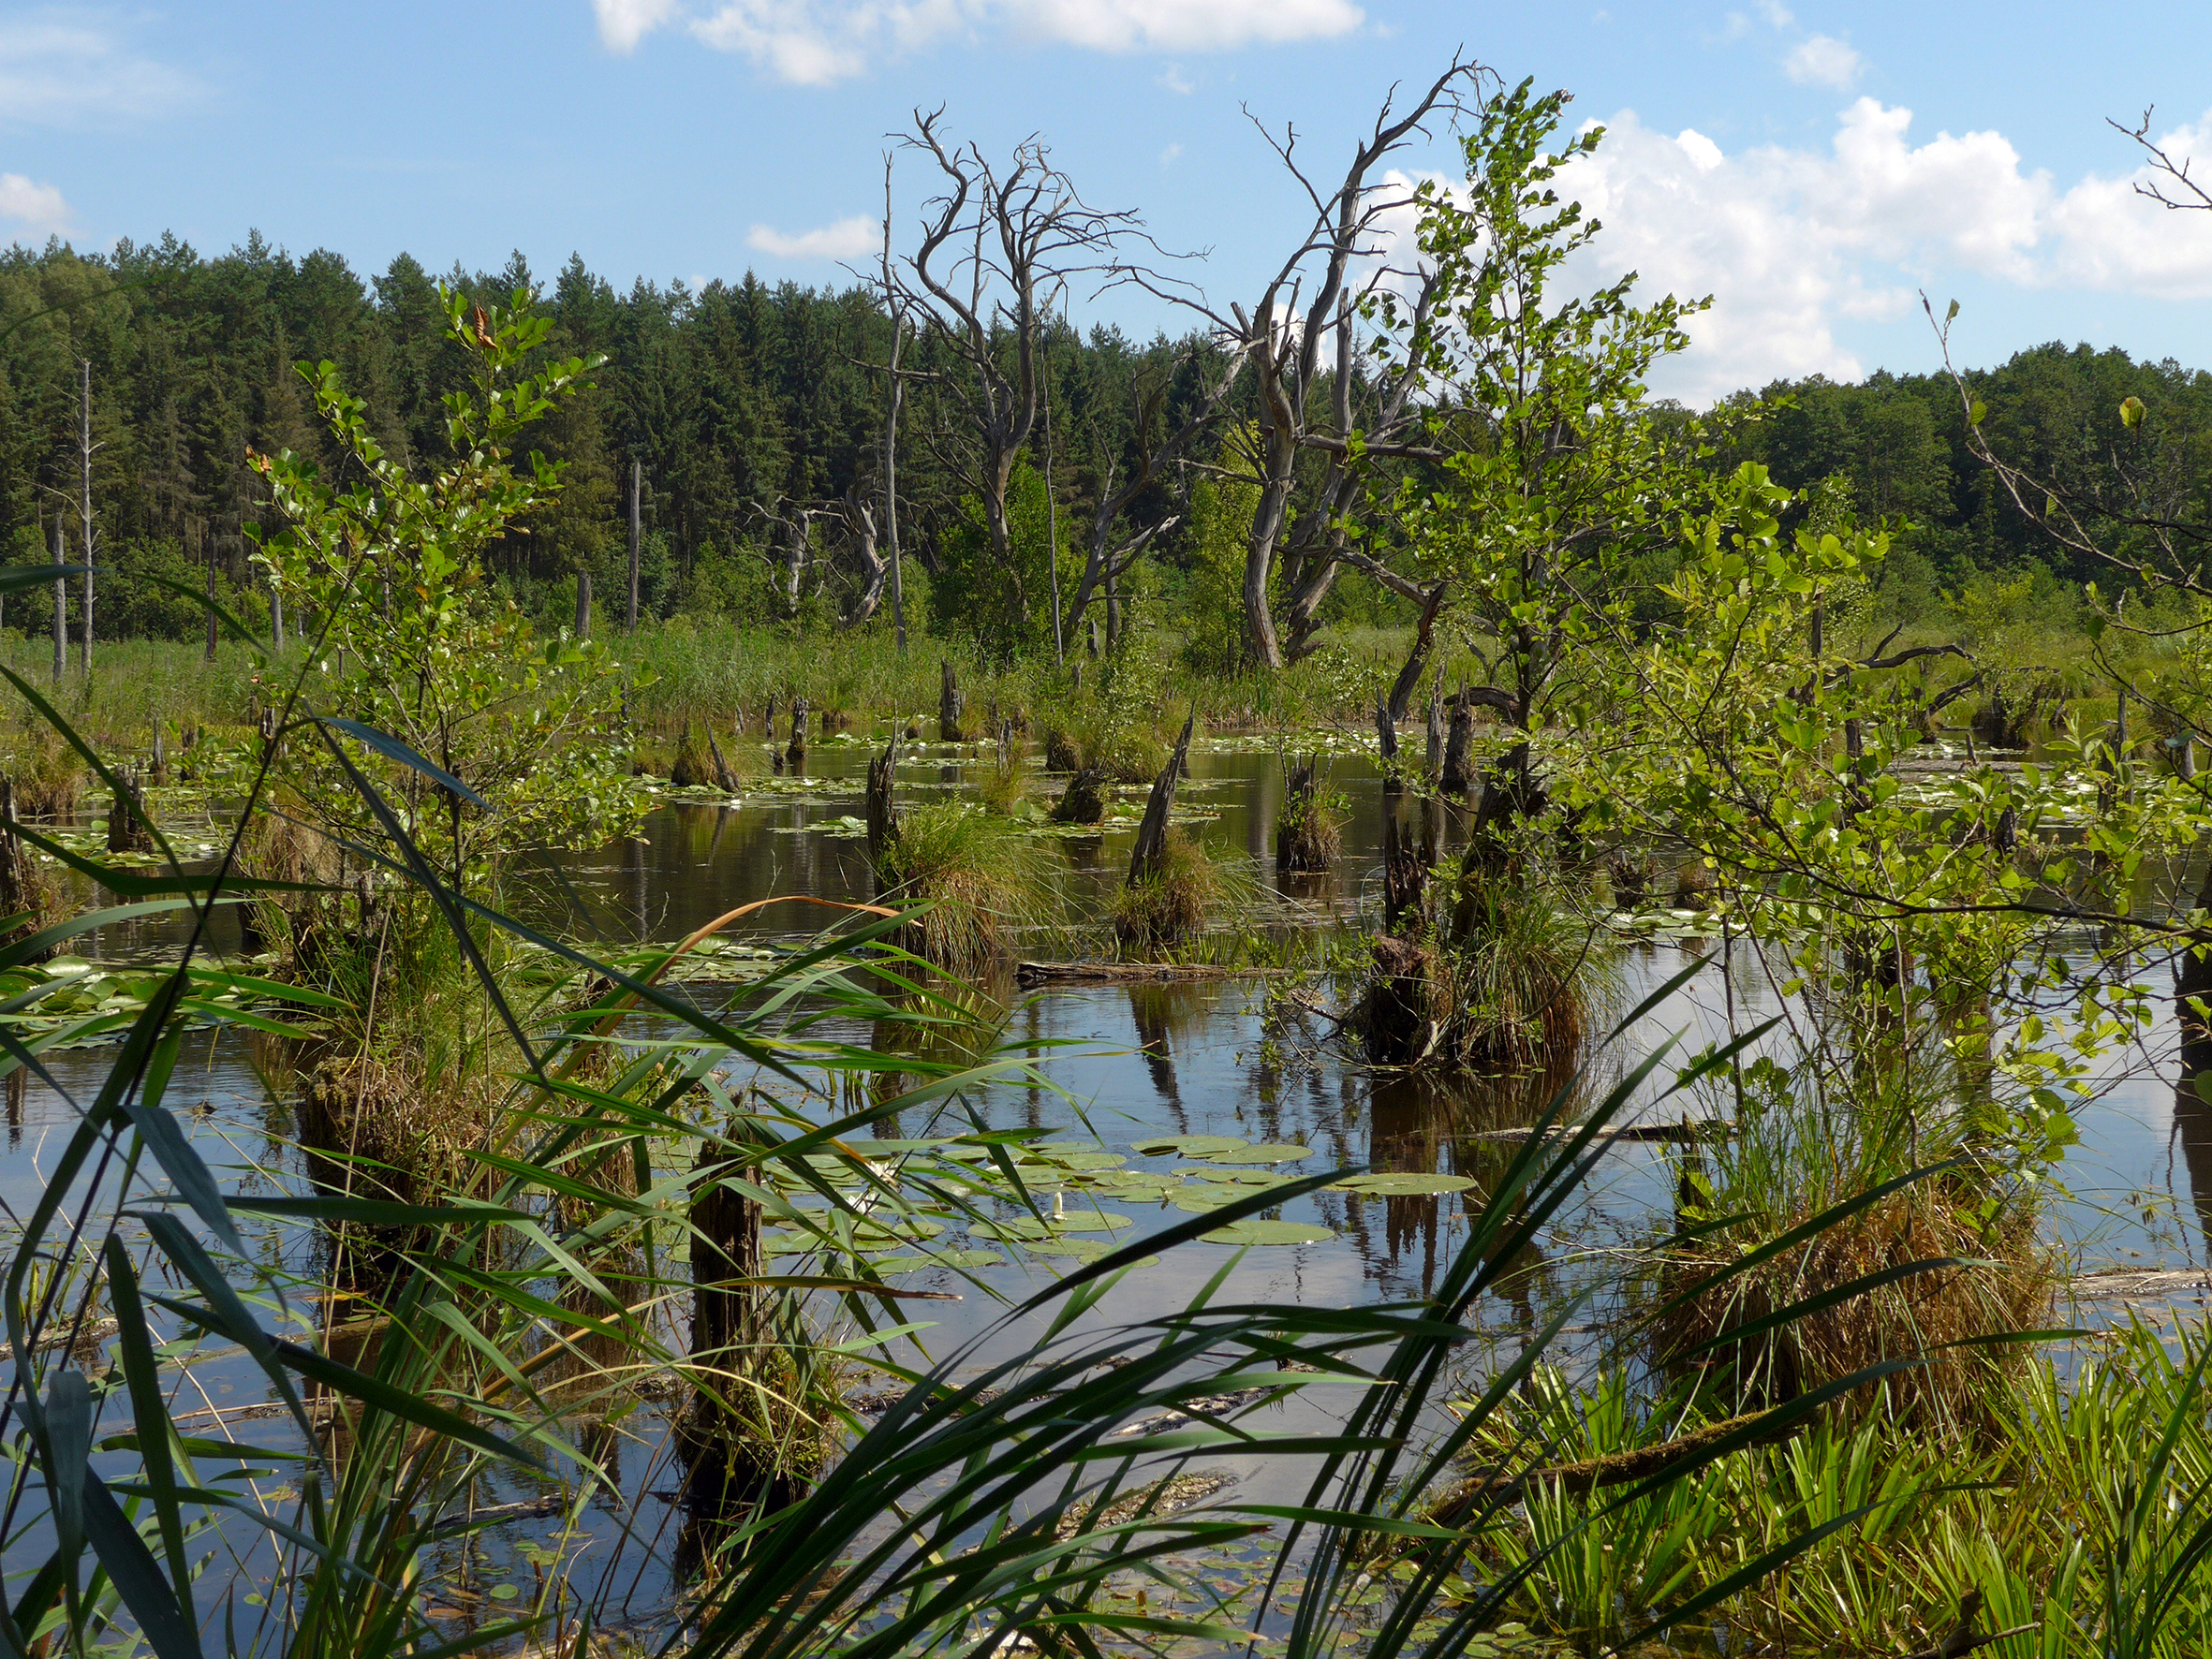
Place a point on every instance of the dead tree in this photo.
(796, 754)
(994, 247)
(1152, 833)
(883, 821)
(85, 450)
(1287, 346)
(949, 701)
(894, 398)
(868, 570)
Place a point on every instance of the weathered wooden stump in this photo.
(949, 702)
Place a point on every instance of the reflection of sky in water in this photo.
(1179, 1058)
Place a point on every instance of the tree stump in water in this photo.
(1306, 839)
(730, 1465)
(1456, 778)
(796, 754)
(1386, 741)
(1393, 1018)
(883, 822)
(725, 779)
(1404, 874)
(129, 830)
(948, 706)
(1433, 757)
(159, 771)
(1152, 834)
(21, 892)
(1084, 801)
(690, 768)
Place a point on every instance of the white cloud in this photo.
(56, 69)
(1776, 14)
(1793, 244)
(1175, 80)
(847, 239)
(624, 22)
(1168, 155)
(37, 208)
(1823, 61)
(817, 42)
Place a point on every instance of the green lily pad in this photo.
(1274, 1153)
(1188, 1146)
(899, 1231)
(1269, 1232)
(1087, 1161)
(1026, 1228)
(1237, 1177)
(1405, 1185)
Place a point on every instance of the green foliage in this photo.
(414, 641)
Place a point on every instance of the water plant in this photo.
(972, 880)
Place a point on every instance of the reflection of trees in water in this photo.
(957, 1026)
(2192, 1116)
(1164, 1015)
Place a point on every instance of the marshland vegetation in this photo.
(557, 1179)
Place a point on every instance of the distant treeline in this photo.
(755, 414)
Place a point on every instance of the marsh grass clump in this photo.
(975, 878)
(1510, 976)
(47, 775)
(376, 1127)
(1006, 785)
(1172, 904)
(1309, 829)
(28, 890)
(1949, 1256)
(2004, 1284)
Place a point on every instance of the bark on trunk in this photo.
(948, 706)
(1152, 834)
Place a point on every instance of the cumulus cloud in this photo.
(1793, 244)
(37, 209)
(56, 69)
(1823, 61)
(847, 239)
(817, 42)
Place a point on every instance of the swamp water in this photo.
(1247, 1084)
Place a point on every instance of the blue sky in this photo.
(1811, 166)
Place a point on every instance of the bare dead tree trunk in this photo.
(1431, 755)
(1052, 505)
(1152, 833)
(85, 507)
(948, 706)
(211, 598)
(584, 604)
(1456, 779)
(61, 607)
(796, 754)
(883, 820)
(637, 527)
(1286, 351)
(857, 521)
(1401, 691)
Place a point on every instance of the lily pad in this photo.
(1026, 1227)
(1188, 1146)
(1269, 1232)
(1274, 1153)
(1087, 1161)
(1405, 1185)
(1237, 1177)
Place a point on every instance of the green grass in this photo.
(979, 879)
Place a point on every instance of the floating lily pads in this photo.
(1269, 1232)
(1190, 1146)
(1088, 1161)
(1026, 1228)
(1274, 1153)
(1405, 1185)
(1237, 1177)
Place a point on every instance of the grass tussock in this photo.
(977, 879)
(1309, 829)
(48, 776)
(1172, 904)
(1509, 977)
(379, 1127)
(1939, 1316)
